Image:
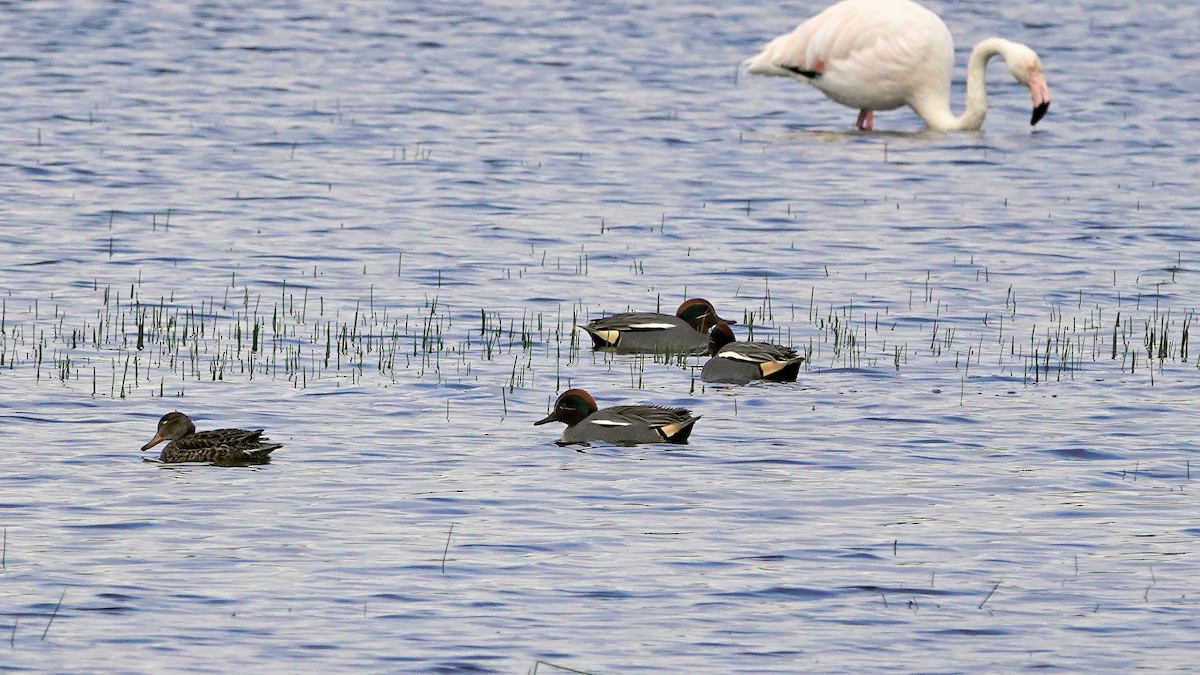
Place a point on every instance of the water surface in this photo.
(370, 230)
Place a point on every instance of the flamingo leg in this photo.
(866, 119)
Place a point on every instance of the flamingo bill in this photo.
(1039, 91)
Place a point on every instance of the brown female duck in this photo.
(223, 447)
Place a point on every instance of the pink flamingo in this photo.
(882, 54)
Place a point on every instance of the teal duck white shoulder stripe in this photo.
(620, 425)
(735, 362)
(687, 331)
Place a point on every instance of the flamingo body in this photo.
(884, 54)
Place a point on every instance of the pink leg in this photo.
(866, 120)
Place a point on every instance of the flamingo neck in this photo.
(940, 118)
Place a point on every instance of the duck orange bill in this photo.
(552, 417)
(158, 438)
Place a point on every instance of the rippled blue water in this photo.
(370, 228)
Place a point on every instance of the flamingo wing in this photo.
(867, 54)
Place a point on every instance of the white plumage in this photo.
(883, 54)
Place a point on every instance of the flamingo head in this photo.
(1026, 67)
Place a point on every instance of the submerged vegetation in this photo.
(132, 344)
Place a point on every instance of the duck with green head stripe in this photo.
(736, 362)
(637, 332)
(620, 425)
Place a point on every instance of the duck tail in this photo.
(602, 339)
(782, 371)
(679, 432)
(264, 452)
